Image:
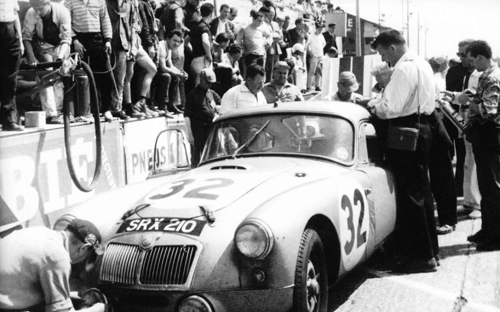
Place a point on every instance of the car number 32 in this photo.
(354, 224)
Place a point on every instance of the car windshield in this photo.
(323, 136)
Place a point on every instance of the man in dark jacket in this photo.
(330, 38)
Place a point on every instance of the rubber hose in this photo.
(97, 125)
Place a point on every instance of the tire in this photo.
(311, 277)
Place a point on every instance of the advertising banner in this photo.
(34, 176)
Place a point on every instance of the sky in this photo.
(443, 23)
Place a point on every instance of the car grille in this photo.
(162, 265)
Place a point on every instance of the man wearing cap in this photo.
(407, 101)
(330, 38)
(248, 93)
(35, 265)
(346, 86)
(202, 105)
(279, 89)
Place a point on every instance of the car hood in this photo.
(217, 185)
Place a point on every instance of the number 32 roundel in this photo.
(354, 219)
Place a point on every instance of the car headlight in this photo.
(194, 304)
(63, 222)
(254, 239)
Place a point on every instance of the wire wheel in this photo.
(311, 281)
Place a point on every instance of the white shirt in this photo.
(221, 28)
(400, 98)
(240, 96)
(317, 43)
(8, 10)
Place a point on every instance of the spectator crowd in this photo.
(147, 55)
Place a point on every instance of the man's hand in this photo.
(32, 61)
(107, 48)
(79, 47)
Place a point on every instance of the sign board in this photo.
(35, 180)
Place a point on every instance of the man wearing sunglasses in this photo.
(35, 265)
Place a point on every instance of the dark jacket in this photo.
(148, 31)
(229, 27)
(330, 42)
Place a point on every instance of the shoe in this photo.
(84, 119)
(121, 115)
(173, 109)
(475, 214)
(56, 120)
(156, 110)
(488, 245)
(438, 258)
(318, 89)
(108, 116)
(12, 126)
(417, 266)
(149, 112)
(445, 229)
(478, 238)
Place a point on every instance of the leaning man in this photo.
(279, 89)
(35, 265)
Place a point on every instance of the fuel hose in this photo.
(94, 99)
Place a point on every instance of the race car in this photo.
(287, 199)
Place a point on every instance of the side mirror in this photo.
(171, 153)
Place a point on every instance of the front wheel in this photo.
(311, 276)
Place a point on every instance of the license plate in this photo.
(185, 226)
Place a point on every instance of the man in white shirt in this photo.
(315, 48)
(407, 101)
(248, 93)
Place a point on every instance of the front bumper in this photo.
(220, 301)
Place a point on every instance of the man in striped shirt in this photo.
(91, 32)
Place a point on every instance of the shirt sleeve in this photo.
(65, 25)
(488, 108)
(55, 284)
(106, 28)
(228, 101)
(396, 94)
(29, 25)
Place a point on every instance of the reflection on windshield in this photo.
(323, 136)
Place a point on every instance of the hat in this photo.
(86, 232)
(348, 79)
(208, 74)
(298, 48)
(332, 24)
(281, 64)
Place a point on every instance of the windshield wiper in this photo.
(251, 139)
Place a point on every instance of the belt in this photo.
(410, 120)
(7, 23)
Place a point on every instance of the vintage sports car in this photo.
(287, 199)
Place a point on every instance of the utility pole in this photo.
(418, 32)
(358, 31)
(408, 21)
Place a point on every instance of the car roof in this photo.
(351, 111)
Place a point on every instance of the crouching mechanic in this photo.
(35, 265)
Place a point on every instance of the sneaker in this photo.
(445, 229)
(56, 120)
(417, 266)
(475, 214)
(149, 112)
(108, 116)
(12, 126)
(156, 110)
(318, 89)
(121, 115)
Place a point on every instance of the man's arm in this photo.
(205, 39)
